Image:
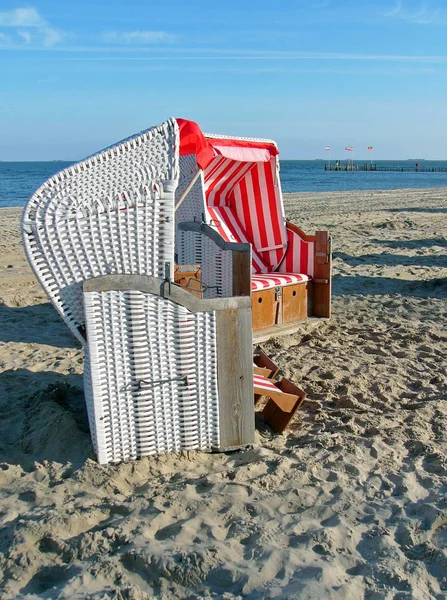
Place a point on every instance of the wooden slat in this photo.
(265, 362)
(241, 273)
(300, 232)
(285, 402)
(262, 371)
(274, 415)
(265, 309)
(322, 275)
(161, 287)
(235, 378)
(294, 302)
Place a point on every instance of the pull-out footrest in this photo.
(285, 398)
(263, 362)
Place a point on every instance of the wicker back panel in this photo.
(140, 346)
(111, 213)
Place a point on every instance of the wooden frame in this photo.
(189, 277)
(276, 309)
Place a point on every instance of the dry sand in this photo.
(351, 504)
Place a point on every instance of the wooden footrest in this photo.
(278, 414)
(285, 398)
(264, 364)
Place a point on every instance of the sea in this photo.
(19, 180)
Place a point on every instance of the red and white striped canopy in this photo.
(242, 189)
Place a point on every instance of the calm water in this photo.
(18, 180)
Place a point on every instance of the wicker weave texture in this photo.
(193, 206)
(111, 213)
(217, 264)
(141, 348)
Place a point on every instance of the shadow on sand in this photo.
(38, 324)
(418, 209)
(413, 244)
(391, 260)
(370, 286)
(44, 417)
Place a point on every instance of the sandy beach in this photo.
(350, 504)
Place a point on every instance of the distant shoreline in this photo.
(325, 159)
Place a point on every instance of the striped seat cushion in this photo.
(271, 280)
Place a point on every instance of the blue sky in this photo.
(79, 75)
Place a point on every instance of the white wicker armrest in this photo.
(226, 266)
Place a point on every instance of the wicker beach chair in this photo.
(116, 214)
(111, 213)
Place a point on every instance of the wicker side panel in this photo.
(193, 206)
(140, 348)
(135, 240)
(217, 264)
(111, 213)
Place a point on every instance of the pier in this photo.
(338, 166)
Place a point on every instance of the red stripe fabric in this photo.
(299, 256)
(260, 381)
(271, 280)
(220, 177)
(257, 201)
(225, 221)
(252, 190)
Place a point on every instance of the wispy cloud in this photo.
(25, 35)
(209, 54)
(423, 14)
(28, 27)
(138, 37)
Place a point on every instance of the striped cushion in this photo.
(226, 222)
(259, 381)
(271, 280)
(300, 255)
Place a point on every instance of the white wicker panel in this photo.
(194, 203)
(217, 264)
(137, 240)
(112, 213)
(102, 178)
(134, 339)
